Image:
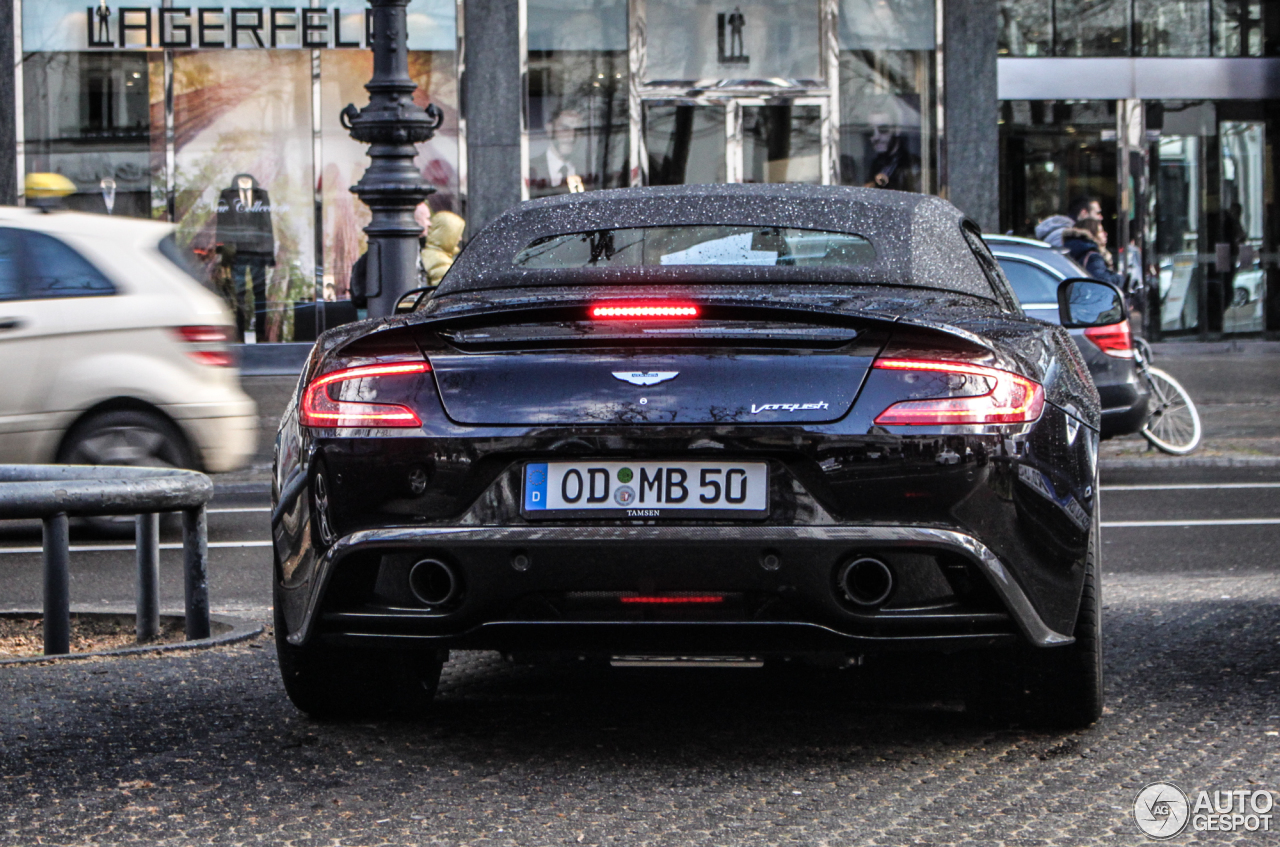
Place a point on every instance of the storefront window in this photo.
(1246, 28)
(1172, 27)
(887, 95)
(88, 116)
(257, 182)
(576, 108)
(1214, 213)
(1035, 28)
(1053, 152)
(744, 40)
(1091, 27)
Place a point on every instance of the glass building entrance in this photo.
(1187, 190)
(667, 92)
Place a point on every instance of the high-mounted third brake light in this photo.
(319, 409)
(652, 311)
(1009, 398)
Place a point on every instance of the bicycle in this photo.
(1174, 424)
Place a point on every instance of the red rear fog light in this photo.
(672, 599)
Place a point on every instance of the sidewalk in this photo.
(1236, 389)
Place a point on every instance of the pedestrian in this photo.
(1087, 244)
(443, 239)
(1050, 229)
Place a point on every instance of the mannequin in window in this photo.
(892, 163)
(554, 172)
(248, 244)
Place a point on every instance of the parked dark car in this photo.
(1035, 270)
(758, 421)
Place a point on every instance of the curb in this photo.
(260, 487)
(1190, 462)
(237, 630)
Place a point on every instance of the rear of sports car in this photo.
(692, 472)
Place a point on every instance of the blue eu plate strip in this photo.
(535, 486)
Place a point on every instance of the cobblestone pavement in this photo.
(204, 748)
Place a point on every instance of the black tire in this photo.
(125, 437)
(1050, 687)
(339, 682)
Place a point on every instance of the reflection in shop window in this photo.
(1053, 152)
(88, 117)
(1246, 28)
(1172, 27)
(1026, 28)
(578, 130)
(1091, 27)
(887, 98)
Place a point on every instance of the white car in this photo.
(112, 352)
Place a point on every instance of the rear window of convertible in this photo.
(768, 246)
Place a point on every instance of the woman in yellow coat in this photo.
(442, 245)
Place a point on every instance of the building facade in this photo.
(1167, 112)
(194, 114)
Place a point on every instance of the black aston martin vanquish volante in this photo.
(709, 420)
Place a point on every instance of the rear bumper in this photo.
(225, 434)
(1125, 408)
(807, 617)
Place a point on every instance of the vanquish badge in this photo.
(787, 407)
(645, 377)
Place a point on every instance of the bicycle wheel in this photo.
(1174, 425)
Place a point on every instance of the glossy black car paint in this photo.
(986, 527)
(1125, 398)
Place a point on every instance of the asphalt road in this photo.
(204, 748)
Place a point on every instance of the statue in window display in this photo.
(554, 172)
(247, 242)
(893, 165)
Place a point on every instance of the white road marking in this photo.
(107, 548)
(1219, 522)
(1191, 486)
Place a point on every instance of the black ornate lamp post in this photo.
(392, 186)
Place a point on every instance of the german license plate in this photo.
(646, 489)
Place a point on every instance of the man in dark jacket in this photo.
(248, 243)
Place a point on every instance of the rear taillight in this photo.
(320, 409)
(1115, 340)
(208, 344)
(1007, 398)
(643, 311)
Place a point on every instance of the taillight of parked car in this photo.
(321, 409)
(1115, 340)
(968, 394)
(208, 344)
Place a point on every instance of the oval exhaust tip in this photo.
(433, 582)
(866, 581)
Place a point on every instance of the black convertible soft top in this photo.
(919, 240)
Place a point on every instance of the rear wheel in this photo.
(1174, 425)
(330, 681)
(133, 437)
(1051, 687)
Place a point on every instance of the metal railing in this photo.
(56, 493)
